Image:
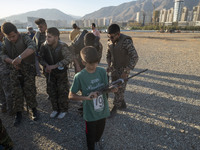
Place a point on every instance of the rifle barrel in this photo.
(135, 74)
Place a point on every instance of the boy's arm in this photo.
(77, 97)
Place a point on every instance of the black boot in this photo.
(113, 112)
(123, 106)
(18, 118)
(35, 114)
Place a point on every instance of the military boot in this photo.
(113, 112)
(18, 119)
(35, 114)
(123, 106)
(3, 110)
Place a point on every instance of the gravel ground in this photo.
(163, 103)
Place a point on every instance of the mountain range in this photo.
(124, 12)
(127, 11)
(48, 14)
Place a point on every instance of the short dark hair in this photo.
(40, 21)
(8, 27)
(54, 31)
(113, 28)
(93, 24)
(89, 54)
(89, 39)
(74, 26)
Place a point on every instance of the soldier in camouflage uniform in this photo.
(121, 58)
(5, 141)
(55, 57)
(5, 85)
(39, 38)
(18, 51)
(91, 40)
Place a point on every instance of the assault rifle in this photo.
(115, 84)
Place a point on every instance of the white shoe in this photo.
(61, 115)
(53, 114)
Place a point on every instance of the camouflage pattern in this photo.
(116, 72)
(58, 90)
(6, 97)
(119, 95)
(38, 39)
(13, 50)
(99, 51)
(23, 80)
(57, 80)
(5, 140)
(5, 87)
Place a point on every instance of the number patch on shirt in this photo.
(98, 103)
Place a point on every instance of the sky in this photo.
(72, 7)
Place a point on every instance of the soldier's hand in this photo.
(48, 69)
(16, 67)
(16, 61)
(114, 89)
(124, 75)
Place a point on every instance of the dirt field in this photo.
(163, 103)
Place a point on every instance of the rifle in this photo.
(117, 83)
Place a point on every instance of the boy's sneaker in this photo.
(61, 115)
(53, 114)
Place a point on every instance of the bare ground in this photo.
(163, 103)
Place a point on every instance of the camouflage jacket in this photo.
(125, 45)
(60, 55)
(39, 39)
(12, 50)
(3, 67)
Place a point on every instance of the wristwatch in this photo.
(20, 56)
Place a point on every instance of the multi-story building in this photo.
(178, 5)
(106, 21)
(170, 14)
(163, 16)
(184, 14)
(86, 23)
(190, 16)
(196, 13)
(79, 23)
(155, 18)
(100, 22)
(148, 18)
(140, 17)
(31, 21)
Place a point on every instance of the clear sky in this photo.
(72, 7)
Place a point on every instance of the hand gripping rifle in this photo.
(117, 83)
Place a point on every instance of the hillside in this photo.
(48, 14)
(127, 11)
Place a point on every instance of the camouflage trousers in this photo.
(6, 98)
(119, 95)
(5, 140)
(58, 90)
(23, 82)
